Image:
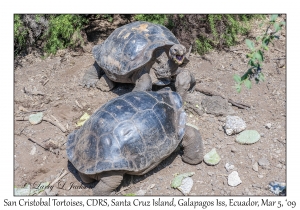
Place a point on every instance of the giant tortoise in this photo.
(141, 53)
(132, 134)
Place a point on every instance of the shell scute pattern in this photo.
(131, 46)
(131, 133)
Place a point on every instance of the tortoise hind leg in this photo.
(192, 146)
(86, 178)
(109, 181)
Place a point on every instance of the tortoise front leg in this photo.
(109, 181)
(143, 83)
(185, 81)
(92, 75)
(192, 146)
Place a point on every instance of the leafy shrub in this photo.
(153, 18)
(256, 55)
(63, 32)
(52, 31)
(27, 30)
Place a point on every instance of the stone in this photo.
(255, 166)
(263, 162)
(234, 125)
(216, 105)
(229, 167)
(234, 179)
(268, 125)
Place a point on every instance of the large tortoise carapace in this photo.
(141, 53)
(132, 134)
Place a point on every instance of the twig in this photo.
(45, 82)
(34, 111)
(56, 123)
(279, 50)
(78, 104)
(58, 178)
(30, 139)
(212, 93)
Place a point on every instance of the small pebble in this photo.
(233, 149)
(229, 167)
(234, 179)
(268, 125)
(33, 150)
(234, 125)
(263, 162)
(255, 166)
(260, 176)
(210, 173)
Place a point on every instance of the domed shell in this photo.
(131, 46)
(132, 133)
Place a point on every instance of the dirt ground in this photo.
(50, 86)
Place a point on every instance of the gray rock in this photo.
(268, 125)
(234, 125)
(263, 162)
(255, 166)
(234, 179)
(33, 150)
(229, 167)
(216, 105)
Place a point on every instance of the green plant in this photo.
(256, 55)
(108, 17)
(203, 45)
(161, 19)
(63, 32)
(130, 194)
(20, 34)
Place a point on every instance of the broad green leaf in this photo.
(258, 56)
(237, 78)
(248, 83)
(266, 40)
(261, 77)
(212, 158)
(276, 27)
(273, 17)
(248, 137)
(264, 46)
(250, 44)
(176, 182)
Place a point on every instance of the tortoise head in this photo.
(177, 53)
